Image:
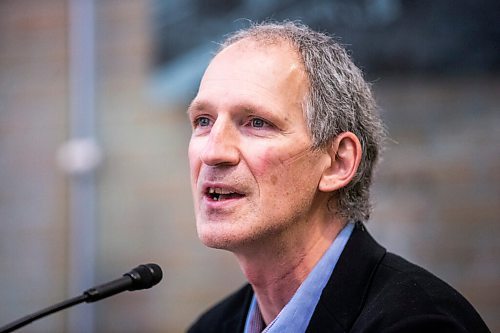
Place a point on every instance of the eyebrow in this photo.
(193, 105)
(197, 105)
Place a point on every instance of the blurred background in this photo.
(93, 147)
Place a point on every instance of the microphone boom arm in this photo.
(42, 313)
(141, 277)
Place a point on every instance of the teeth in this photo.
(217, 190)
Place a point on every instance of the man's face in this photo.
(254, 175)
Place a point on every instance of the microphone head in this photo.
(145, 276)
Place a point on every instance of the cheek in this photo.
(267, 165)
(288, 181)
(194, 161)
(275, 167)
(274, 179)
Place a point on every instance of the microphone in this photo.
(141, 277)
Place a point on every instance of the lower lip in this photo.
(210, 203)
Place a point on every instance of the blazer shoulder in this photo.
(227, 315)
(372, 290)
(411, 296)
(407, 279)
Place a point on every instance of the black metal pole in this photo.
(42, 313)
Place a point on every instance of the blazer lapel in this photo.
(236, 323)
(344, 295)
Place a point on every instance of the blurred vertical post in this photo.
(82, 224)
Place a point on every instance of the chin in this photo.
(215, 238)
(219, 237)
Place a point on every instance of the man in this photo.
(285, 137)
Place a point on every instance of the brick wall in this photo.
(436, 192)
(438, 188)
(33, 106)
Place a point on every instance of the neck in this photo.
(276, 268)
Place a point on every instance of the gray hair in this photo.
(339, 100)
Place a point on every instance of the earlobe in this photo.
(345, 155)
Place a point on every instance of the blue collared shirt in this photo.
(295, 316)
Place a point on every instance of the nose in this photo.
(221, 147)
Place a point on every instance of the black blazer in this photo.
(370, 290)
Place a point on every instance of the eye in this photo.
(257, 122)
(202, 122)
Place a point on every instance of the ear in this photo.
(345, 155)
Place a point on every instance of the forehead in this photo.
(260, 72)
(249, 58)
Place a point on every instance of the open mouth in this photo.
(219, 194)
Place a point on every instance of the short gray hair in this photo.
(339, 100)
